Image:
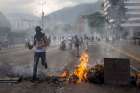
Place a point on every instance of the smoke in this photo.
(26, 71)
(5, 70)
(22, 71)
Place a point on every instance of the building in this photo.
(114, 12)
(132, 25)
(22, 22)
(5, 28)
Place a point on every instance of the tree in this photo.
(96, 20)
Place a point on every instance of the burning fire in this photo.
(82, 69)
(80, 73)
(65, 74)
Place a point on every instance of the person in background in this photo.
(63, 45)
(77, 45)
(49, 40)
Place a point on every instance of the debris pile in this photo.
(84, 73)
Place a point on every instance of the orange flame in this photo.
(65, 74)
(82, 69)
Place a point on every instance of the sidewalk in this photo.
(127, 50)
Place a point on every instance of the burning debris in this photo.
(65, 74)
(80, 72)
(82, 68)
(96, 74)
(84, 73)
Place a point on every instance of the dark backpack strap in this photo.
(45, 39)
(35, 40)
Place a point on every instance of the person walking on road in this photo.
(40, 44)
(77, 45)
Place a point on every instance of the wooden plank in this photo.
(9, 80)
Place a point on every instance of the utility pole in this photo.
(43, 14)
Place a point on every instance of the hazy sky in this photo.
(35, 6)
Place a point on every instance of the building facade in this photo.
(132, 25)
(114, 12)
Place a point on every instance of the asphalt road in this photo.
(20, 61)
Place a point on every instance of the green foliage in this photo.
(95, 20)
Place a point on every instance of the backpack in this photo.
(40, 43)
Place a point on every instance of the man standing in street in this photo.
(77, 45)
(40, 44)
